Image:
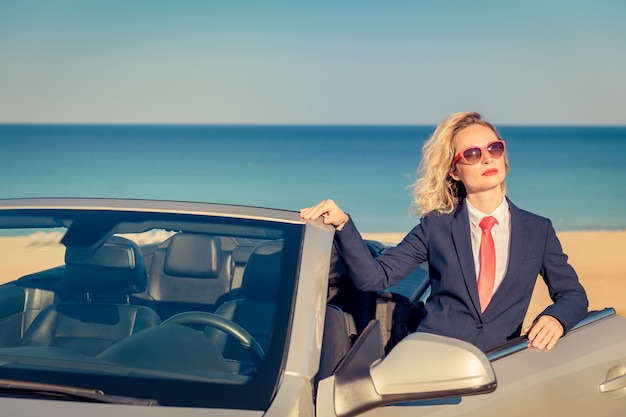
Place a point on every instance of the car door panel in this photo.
(564, 381)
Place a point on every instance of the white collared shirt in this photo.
(501, 233)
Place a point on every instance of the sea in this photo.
(574, 175)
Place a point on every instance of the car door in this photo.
(583, 375)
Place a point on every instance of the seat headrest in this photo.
(192, 256)
(262, 273)
(116, 266)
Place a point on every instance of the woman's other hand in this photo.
(330, 212)
(544, 332)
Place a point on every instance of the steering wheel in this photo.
(241, 335)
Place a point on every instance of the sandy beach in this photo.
(597, 256)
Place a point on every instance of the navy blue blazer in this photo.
(453, 308)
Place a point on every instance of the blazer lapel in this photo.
(461, 237)
(518, 241)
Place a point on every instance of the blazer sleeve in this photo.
(569, 297)
(371, 273)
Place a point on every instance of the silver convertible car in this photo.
(158, 308)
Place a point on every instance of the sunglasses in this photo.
(472, 155)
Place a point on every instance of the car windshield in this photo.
(181, 308)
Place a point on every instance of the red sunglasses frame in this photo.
(484, 149)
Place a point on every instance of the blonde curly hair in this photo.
(435, 190)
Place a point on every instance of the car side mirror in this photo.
(422, 366)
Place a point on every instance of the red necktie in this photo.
(487, 274)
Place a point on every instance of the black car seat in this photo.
(339, 334)
(106, 277)
(189, 272)
(254, 310)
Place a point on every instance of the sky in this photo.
(559, 62)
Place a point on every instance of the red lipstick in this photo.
(490, 172)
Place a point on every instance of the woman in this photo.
(461, 182)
